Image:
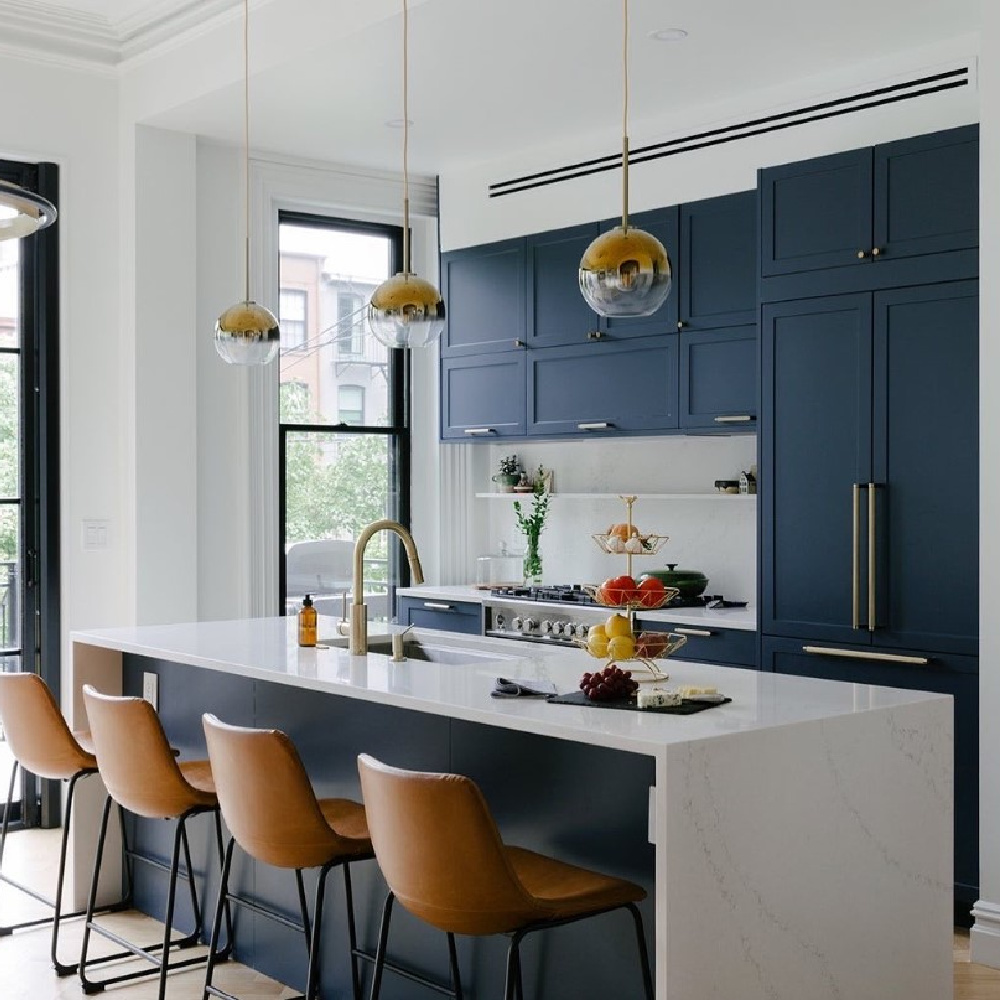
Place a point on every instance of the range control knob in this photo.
(547, 627)
(528, 624)
(557, 628)
(517, 622)
(581, 630)
(499, 621)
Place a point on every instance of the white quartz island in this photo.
(802, 835)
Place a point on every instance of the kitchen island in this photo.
(796, 843)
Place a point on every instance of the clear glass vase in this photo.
(532, 561)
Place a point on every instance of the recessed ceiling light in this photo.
(668, 35)
(398, 123)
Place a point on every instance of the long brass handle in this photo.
(855, 654)
(872, 609)
(438, 606)
(601, 426)
(704, 633)
(856, 556)
(736, 418)
(478, 431)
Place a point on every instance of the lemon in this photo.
(597, 645)
(598, 630)
(617, 625)
(622, 647)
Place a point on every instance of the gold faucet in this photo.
(358, 645)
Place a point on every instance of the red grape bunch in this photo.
(610, 684)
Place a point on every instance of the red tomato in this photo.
(651, 592)
(620, 590)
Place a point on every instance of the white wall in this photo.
(71, 118)
(986, 933)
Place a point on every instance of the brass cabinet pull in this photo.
(872, 609)
(855, 654)
(595, 335)
(856, 556)
(437, 606)
(479, 431)
(681, 324)
(862, 255)
(877, 251)
(736, 418)
(702, 633)
(599, 426)
(519, 343)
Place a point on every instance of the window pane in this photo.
(10, 293)
(10, 582)
(10, 426)
(334, 271)
(335, 484)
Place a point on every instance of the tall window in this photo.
(292, 318)
(29, 472)
(343, 419)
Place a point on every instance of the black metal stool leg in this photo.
(194, 938)
(228, 950)
(89, 987)
(303, 907)
(383, 938)
(352, 933)
(222, 905)
(169, 917)
(63, 970)
(512, 981)
(456, 978)
(647, 978)
(6, 812)
(129, 865)
(312, 983)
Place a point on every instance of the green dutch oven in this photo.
(690, 582)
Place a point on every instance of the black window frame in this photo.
(399, 381)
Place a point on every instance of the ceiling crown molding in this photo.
(56, 32)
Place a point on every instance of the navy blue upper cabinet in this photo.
(717, 269)
(927, 194)
(718, 378)
(484, 294)
(664, 224)
(603, 387)
(816, 214)
(926, 462)
(482, 398)
(557, 312)
(815, 445)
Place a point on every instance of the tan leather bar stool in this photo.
(43, 744)
(273, 814)
(441, 854)
(140, 772)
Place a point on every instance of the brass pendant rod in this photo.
(246, 140)
(406, 141)
(625, 116)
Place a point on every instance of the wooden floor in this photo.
(25, 972)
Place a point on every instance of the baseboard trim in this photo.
(984, 938)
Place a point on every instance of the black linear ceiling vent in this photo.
(879, 97)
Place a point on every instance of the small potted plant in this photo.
(509, 475)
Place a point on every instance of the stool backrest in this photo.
(440, 851)
(36, 731)
(135, 760)
(266, 797)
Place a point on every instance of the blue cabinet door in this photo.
(718, 262)
(816, 444)
(664, 224)
(603, 387)
(954, 675)
(482, 398)
(816, 214)
(718, 378)
(557, 311)
(926, 435)
(484, 294)
(446, 616)
(927, 194)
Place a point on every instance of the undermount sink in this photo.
(436, 650)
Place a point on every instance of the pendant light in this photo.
(626, 271)
(246, 333)
(22, 212)
(406, 310)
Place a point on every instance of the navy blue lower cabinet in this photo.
(483, 398)
(945, 674)
(729, 647)
(718, 378)
(603, 387)
(447, 616)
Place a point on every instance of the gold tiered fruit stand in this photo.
(658, 645)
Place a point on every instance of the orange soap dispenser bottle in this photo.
(307, 623)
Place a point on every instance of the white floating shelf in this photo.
(714, 495)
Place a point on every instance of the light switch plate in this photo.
(150, 689)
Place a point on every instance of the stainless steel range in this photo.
(560, 615)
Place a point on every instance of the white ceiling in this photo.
(492, 76)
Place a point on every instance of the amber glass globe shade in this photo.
(625, 272)
(406, 311)
(247, 334)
